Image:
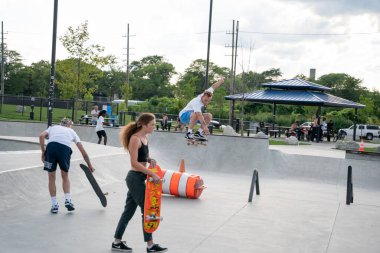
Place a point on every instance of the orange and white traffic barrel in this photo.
(182, 184)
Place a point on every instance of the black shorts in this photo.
(101, 133)
(57, 153)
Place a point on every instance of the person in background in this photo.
(164, 121)
(310, 132)
(100, 127)
(316, 128)
(94, 115)
(58, 152)
(179, 125)
(295, 128)
(323, 128)
(330, 129)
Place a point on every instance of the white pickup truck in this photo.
(367, 131)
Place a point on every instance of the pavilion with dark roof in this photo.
(296, 92)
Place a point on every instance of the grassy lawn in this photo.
(10, 113)
(282, 142)
(370, 149)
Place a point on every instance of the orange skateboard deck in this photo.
(152, 204)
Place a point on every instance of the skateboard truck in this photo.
(151, 180)
(154, 217)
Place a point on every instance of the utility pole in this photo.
(128, 35)
(241, 124)
(236, 46)
(128, 54)
(52, 68)
(208, 45)
(2, 67)
(232, 103)
(233, 69)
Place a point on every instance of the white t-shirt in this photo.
(195, 105)
(99, 124)
(63, 135)
(324, 126)
(94, 113)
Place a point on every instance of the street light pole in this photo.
(2, 67)
(208, 45)
(52, 68)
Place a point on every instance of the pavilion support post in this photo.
(274, 116)
(318, 124)
(355, 123)
(232, 112)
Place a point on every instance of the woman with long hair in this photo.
(134, 138)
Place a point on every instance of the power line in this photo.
(311, 34)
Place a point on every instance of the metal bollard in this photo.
(350, 193)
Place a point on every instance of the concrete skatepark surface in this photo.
(301, 207)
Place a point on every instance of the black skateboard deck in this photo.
(94, 184)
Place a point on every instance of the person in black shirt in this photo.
(134, 138)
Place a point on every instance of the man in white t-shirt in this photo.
(58, 152)
(94, 115)
(192, 113)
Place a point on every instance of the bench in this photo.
(167, 127)
(20, 108)
(251, 130)
(85, 119)
(274, 132)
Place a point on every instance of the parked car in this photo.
(366, 131)
(306, 125)
(215, 123)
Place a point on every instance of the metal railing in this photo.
(254, 182)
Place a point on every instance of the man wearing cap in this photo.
(58, 152)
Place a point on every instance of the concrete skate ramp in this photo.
(15, 145)
(301, 207)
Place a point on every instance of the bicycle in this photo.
(340, 136)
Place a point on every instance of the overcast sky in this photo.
(332, 36)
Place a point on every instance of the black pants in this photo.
(135, 197)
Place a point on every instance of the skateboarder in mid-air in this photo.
(134, 139)
(192, 114)
(58, 152)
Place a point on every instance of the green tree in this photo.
(151, 77)
(343, 85)
(112, 80)
(40, 78)
(15, 76)
(186, 91)
(195, 75)
(126, 92)
(368, 113)
(86, 57)
(66, 78)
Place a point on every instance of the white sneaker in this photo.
(54, 208)
(200, 136)
(189, 135)
(69, 205)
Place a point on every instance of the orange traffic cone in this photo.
(182, 166)
(361, 148)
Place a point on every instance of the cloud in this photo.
(340, 7)
(292, 35)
